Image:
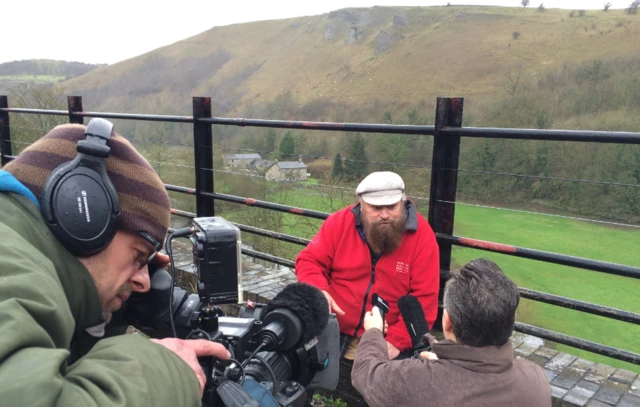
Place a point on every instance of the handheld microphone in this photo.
(383, 306)
(299, 313)
(414, 319)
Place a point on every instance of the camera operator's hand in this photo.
(333, 307)
(190, 350)
(373, 319)
(160, 260)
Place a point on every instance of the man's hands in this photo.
(428, 355)
(333, 307)
(393, 351)
(190, 350)
(373, 319)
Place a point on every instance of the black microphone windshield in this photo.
(307, 303)
(414, 319)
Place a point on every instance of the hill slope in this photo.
(357, 57)
(40, 71)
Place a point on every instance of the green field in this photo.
(570, 237)
(554, 234)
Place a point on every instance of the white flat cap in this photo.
(381, 188)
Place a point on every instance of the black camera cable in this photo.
(186, 232)
(167, 247)
(254, 355)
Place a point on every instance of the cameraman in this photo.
(54, 305)
(473, 366)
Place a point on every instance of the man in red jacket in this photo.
(379, 245)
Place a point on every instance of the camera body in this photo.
(271, 347)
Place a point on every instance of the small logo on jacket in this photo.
(402, 270)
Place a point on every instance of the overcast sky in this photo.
(75, 30)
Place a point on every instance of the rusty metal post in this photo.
(6, 150)
(203, 155)
(75, 105)
(446, 154)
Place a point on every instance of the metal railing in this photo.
(447, 133)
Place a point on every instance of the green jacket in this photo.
(47, 302)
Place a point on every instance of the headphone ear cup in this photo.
(80, 208)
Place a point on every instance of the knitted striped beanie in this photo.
(144, 202)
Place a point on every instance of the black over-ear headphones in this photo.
(79, 202)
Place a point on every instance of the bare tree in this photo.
(27, 128)
(524, 3)
(607, 5)
(514, 80)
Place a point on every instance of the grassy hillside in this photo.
(353, 58)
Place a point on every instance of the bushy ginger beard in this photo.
(384, 236)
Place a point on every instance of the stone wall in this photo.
(574, 381)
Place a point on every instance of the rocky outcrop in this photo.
(384, 41)
(400, 20)
(354, 35)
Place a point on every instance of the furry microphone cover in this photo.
(307, 303)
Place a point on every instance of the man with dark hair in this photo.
(55, 304)
(473, 366)
(379, 245)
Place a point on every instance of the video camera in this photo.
(280, 351)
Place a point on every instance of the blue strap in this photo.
(259, 393)
(9, 183)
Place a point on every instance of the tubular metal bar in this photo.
(613, 313)
(203, 157)
(274, 235)
(124, 116)
(549, 257)
(144, 117)
(183, 214)
(579, 343)
(252, 202)
(74, 104)
(269, 205)
(6, 149)
(36, 111)
(264, 256)
(252, 229)
(351, 127)
(556, 135)
(269, 257)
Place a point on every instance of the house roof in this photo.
(291, 165)
(242, 156)
(261, 166)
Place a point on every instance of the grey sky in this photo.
(113, 31)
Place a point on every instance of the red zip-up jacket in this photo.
(339, 261)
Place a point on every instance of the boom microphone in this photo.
(414, 319)
(299, 313)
